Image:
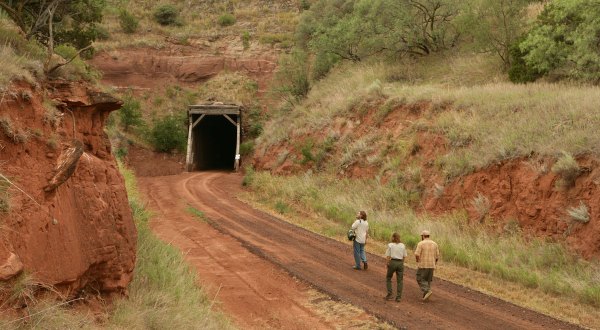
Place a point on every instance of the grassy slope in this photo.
(483, 121)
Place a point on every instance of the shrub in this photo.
(246, 148)
(168, 134)
(130, 114)
(166, 15)
(579, 213)
(246, 39)
(226, 20)
(128, 22)
(566, 166)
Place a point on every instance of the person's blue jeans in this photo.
(359, 253)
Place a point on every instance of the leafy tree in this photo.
(566, 40)
(292, 76)
(357, 29)
(61, 21)
(496, 25)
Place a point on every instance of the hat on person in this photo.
(425, 233)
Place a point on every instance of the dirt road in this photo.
(260, 288)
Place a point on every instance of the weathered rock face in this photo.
(81, 232)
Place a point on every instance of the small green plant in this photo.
(282, 207)
(246, 148)
(249, 176)
(129, 23)
(226, 20)
(196, 213)
(579, 213)
(566, 166)
(246, 39)
(306, 150)
(166, 15)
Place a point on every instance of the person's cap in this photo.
(425, 233)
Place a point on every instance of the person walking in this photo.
(361, 228)
(395, 254)
(427, 255)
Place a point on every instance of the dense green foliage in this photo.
(129, 23)
(226, 20)
(74, 22)
(356, 30)
(166, 15)
(168, 134)
(566, 40)
(130, 113)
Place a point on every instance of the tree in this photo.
(566, 40)
(496, 25)
(357, 29)
(56, 21)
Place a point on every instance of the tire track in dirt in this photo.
(326, 264)
(233, 274)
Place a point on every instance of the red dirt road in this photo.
(256, 288)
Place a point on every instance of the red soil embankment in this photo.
(80, 234)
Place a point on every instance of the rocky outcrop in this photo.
(81, 232)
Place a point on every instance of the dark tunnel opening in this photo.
(214, 143)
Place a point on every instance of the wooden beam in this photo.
(197, 120)
(230, 120)
(214, 111)
(236, 165)
(188, 157)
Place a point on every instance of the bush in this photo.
(130, 113)
(520, 71)
(168, 134)
(246, 148)
(246, 39)
(226, 20)
(166, 15)
(128, 22)
(566, 166)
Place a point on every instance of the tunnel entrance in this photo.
(213, 137)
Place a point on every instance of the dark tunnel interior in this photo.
(214, 143)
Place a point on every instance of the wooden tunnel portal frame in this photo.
(213, 109)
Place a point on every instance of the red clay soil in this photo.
(254, 289)
(525, 191)
(81, 233)
(153, 69)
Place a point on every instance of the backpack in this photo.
(351, 235)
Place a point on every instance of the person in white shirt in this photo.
(395, 254)
(361, 228)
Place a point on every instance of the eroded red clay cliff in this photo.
(80, 234)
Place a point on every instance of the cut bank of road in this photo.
(319, 261)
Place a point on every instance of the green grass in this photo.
(532, 263)
(196, 213)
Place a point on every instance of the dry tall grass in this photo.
(535, 266)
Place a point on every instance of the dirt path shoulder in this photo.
(250, 287)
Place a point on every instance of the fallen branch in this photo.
(54, 68)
